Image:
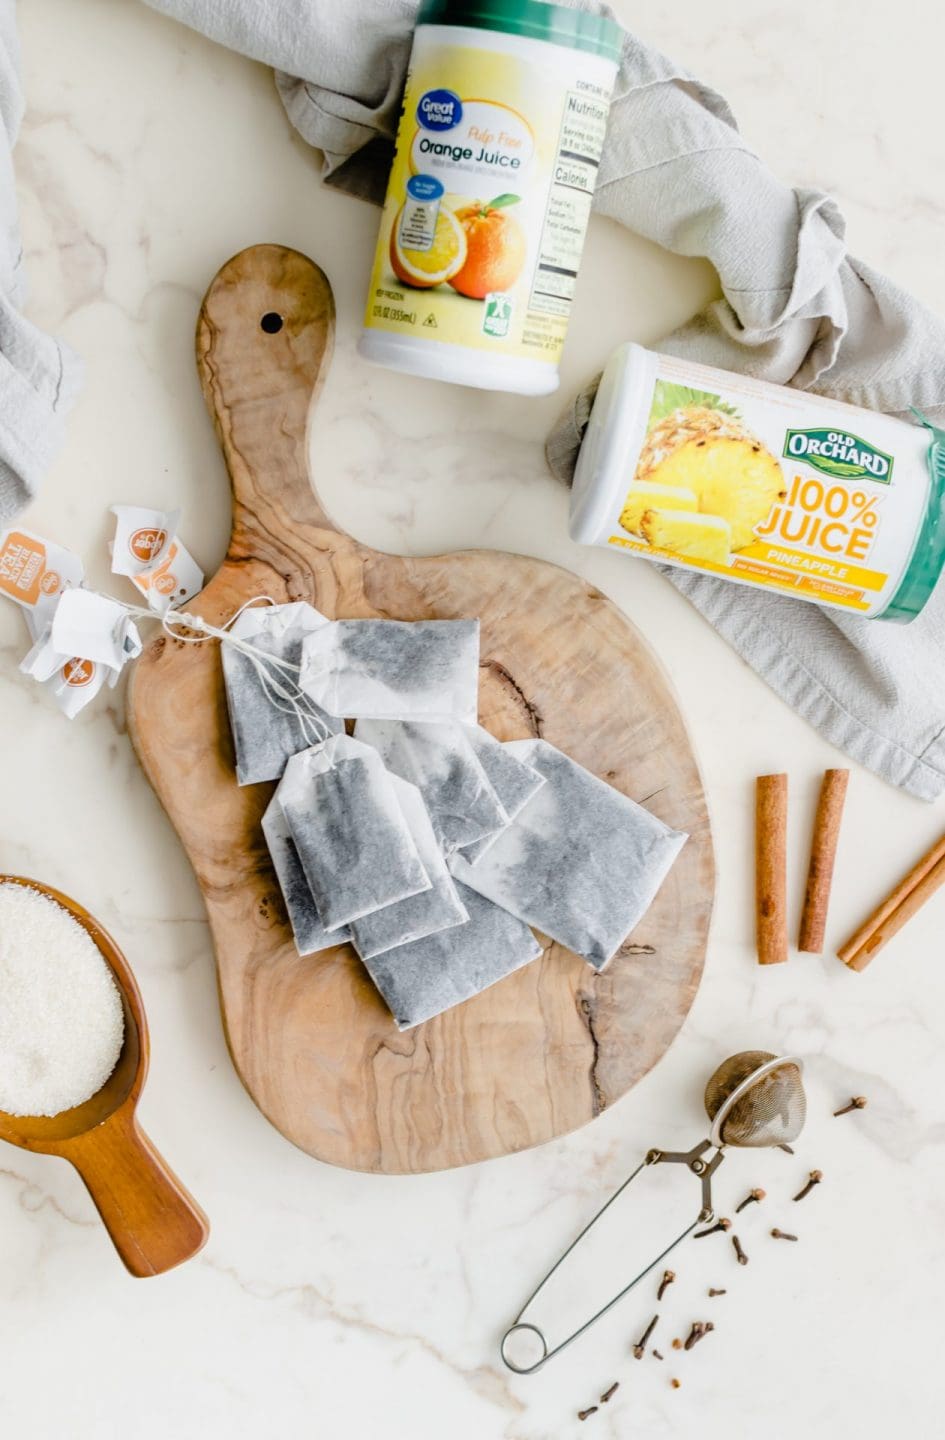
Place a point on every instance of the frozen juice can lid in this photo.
(533, 20)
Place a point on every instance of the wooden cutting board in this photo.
(549, 1047)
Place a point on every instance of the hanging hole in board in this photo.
(271, 322)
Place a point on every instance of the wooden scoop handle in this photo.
(153, 1221)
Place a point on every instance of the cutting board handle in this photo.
(264, 341)
(152, 1220)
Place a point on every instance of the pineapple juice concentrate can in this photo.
(490, 191)
(762, 485)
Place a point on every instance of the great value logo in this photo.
(836, 453)
(439, 110)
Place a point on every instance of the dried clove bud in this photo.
(668, 1277)
(699, 1330)
(857, 1102)
(752, 1198)
(814, 1178)
(739, 1252)
(782, 1235)
(591, 1410)
(639, 1349)
(713, 1291)
(722, 1224)
(609, 1392)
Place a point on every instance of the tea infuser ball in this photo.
(754, 1100)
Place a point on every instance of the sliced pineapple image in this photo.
(716, 457)
(643, 495)
(690, 536)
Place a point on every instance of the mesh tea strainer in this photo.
(753, 1100)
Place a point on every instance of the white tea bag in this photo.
(581, 863)
(427, 913)
(353, 842)
(394, 669)
(513, 781)
(266, 731)
(438, 758)
(307, 928)
(421, 980)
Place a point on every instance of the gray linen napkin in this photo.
(797, 309)
(39, 376)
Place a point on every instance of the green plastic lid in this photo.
(535, 20)
(928, 557)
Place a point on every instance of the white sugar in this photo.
(61, 1020)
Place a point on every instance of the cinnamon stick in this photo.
(823, 853)
(900, 905)
(771, 797)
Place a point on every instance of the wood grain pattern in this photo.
(548, 1048)
(153, 1221)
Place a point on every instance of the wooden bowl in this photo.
(153, 1221)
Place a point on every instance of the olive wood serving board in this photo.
(548, 1048)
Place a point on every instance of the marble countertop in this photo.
(339, 1304)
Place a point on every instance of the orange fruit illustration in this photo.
(496, 248)
(422, 269)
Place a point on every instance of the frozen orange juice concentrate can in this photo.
(497, 154)
(763, 485)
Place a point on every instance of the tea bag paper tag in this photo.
(394, 669)
(34, 573)
(427, 913)
(353, 842)
(147, 550)
(95, 627)
(72, 681)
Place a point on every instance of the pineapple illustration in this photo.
(708, 451)
(643, 496)
(691, 537)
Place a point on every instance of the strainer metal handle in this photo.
(695, 1162)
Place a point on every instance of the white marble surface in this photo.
(329, 1303)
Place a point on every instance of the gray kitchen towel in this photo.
(796, 309)
(39, 376)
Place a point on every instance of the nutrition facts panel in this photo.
(574, 175)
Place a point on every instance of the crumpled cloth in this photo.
(39, 376)
(797, 309)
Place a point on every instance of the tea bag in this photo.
(581, 863)
(438, 758)
(95, 627)
(34, 573)
(307, 928)
(148, 550)
(513, 781)
(428, 913)
(354, 844)
(394, 669)
(265, 730)
(421, 980)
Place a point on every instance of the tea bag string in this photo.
(278, 687)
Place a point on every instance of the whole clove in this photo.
(609, 1392)
(752, 1198)
(713, 1291)
(782, 1234)
(698, 1332)
(639, 1349)
(591, 1410)
(722, 1224)
(668, 1277)
(857, 1102)
(739, 1252)
(814, 1178)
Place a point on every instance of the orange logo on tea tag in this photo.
(147, 543)
(78, 672)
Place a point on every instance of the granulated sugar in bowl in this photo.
(61, 1019)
